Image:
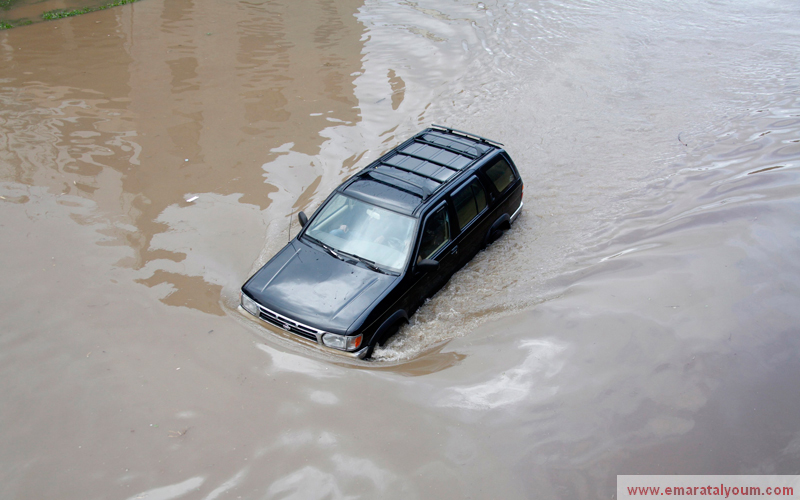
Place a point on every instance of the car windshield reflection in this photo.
(363, 230)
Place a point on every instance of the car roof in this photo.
(408, 176)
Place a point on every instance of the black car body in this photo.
(386, 239)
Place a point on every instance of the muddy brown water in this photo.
(641, 317)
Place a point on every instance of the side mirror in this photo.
(427, 265)
(303, 219)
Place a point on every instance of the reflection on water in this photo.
(517, 384)
(171, 491)
(145, 132)
(639, 318)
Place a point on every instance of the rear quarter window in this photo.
(501, 174)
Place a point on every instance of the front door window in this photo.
(436, 234)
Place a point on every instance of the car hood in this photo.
(315, 288)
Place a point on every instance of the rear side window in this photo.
(469, 202)
(501, 174)
(435, 235)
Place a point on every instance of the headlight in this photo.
(342, 342)
(249, 305)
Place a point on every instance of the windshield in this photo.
(364, 230)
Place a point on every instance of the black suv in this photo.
(386, 239)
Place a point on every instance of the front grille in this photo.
(289, 325)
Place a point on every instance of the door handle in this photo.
(454, 251)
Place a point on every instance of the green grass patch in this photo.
(61, 13)
(13, 23)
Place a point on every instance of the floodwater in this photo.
(642, 316)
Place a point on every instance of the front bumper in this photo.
(304, 333)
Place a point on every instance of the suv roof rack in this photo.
(466, 134)
(425, 191)
(427, 162)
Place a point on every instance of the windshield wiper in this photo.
(326, 247)
(370, 264)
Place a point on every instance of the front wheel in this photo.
(387, 330)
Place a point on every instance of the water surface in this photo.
(641, 317)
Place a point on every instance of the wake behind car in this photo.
(386, 239)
